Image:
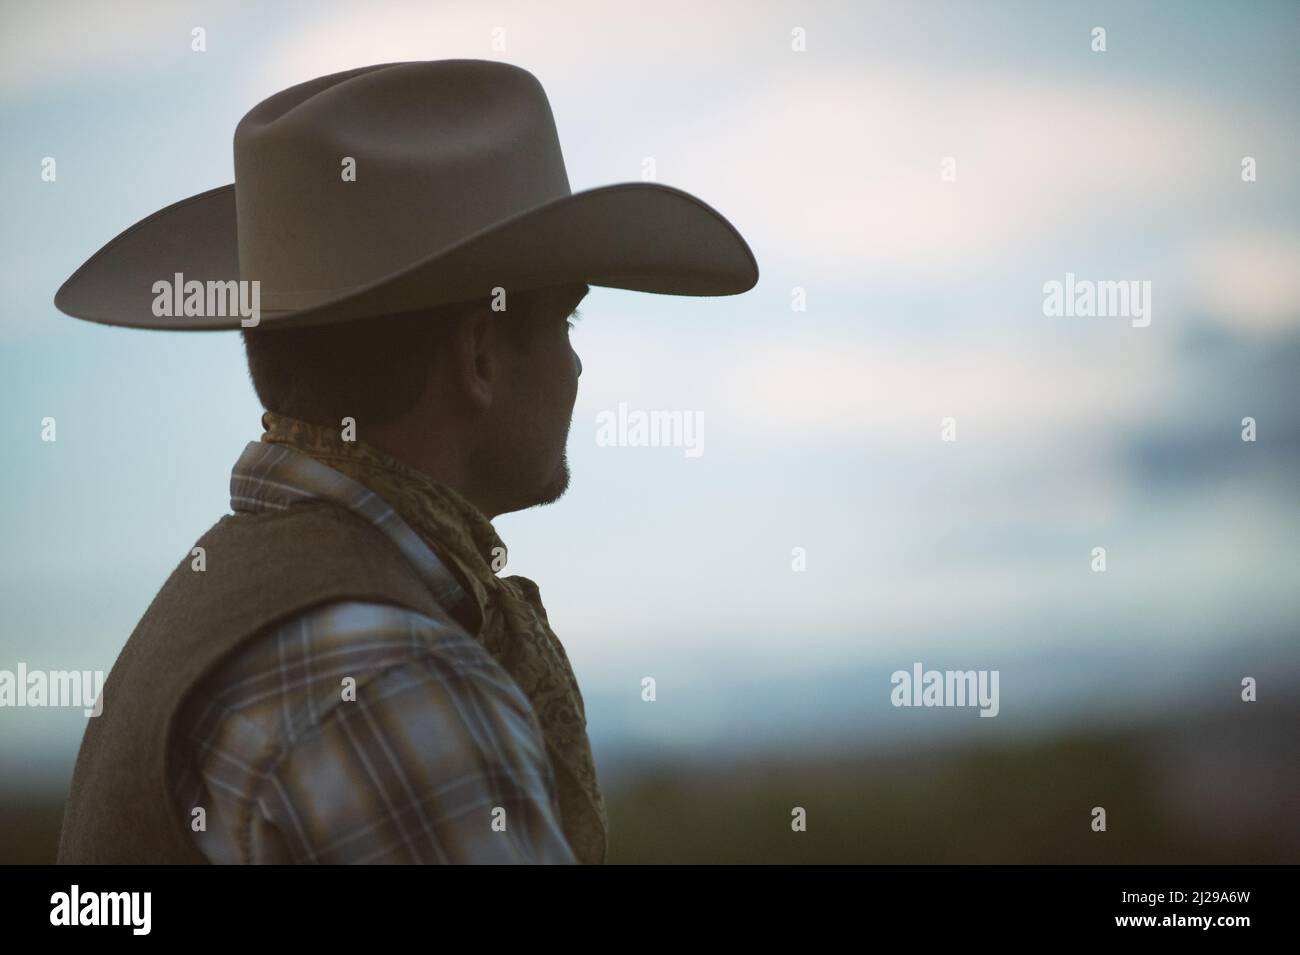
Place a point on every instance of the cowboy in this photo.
(336, 672)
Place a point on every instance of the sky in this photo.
(890, 298)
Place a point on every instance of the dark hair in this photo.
(371, 369)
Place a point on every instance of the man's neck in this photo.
(440, 460)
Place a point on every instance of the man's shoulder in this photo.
(265, 549)
(252, 571)
(288, 525)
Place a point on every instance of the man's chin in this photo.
(549, 493)
(553, 491)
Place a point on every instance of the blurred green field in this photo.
(1015, 804)
(1216, 790)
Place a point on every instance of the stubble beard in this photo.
(555, 488)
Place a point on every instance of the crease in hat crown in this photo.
(474, 140)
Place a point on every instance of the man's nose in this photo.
(577, 360)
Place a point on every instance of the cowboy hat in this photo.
(396, 187)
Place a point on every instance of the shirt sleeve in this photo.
(434, 761)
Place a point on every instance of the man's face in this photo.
(539, 388)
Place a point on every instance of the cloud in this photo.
(844, 168)
(43, 44)
(1247, 281)
(1006, 393)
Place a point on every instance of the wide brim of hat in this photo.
(642, 236)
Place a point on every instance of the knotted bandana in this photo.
(515, 629)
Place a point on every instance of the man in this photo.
(336, 672)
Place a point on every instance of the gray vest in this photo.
(260, 569)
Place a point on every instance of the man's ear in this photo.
(475, 366)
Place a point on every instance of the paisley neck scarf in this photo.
(514, 627)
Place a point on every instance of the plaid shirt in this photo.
(411, 770)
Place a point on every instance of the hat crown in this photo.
(343, 178)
